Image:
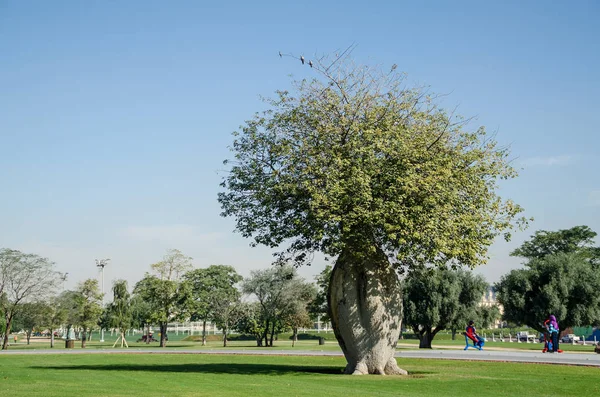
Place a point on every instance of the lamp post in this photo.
(101, 263)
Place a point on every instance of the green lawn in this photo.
(176, 342)
(239, 375)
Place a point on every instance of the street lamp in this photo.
(101, 263)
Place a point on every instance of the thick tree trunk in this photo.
(83, 338)
(295, 336)
(272, 333)
(28, 334)
(7, 333)
(204, 333)
(266, 333)
(163, 334)
(366, 312)
(453, 333)
(51, 338)
(148, 334)
(224, 337)
(425, 339)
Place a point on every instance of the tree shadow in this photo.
(218, 368)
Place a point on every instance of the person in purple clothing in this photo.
(554, 330)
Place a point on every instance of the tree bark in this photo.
(163, 334)
(365, 307)
(28, 334)
(51, 338)
(425, 339)
(272, 333)
(6, 334)
(83, 338)
(204, 333)
(266, 333)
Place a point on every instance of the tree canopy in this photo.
(578, 239)
(355, 157)
(283, 298)
(23, 277)
(563, 284)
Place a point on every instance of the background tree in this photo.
(560, 277)
(173, 265)
(23, 277)
(357, 166)
(120, 310)
(437, 298)
(54, 316)
(250, 321)
(168, 296)
(141, 312)
(563, 284)
(296, 315)
(280, 293)
(168, 301)
(68, 302)
(318, 308)
(214, 295)
(486, 316)
(578, 239)
(89, 301)
(30, 317)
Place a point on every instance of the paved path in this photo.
(588, 359)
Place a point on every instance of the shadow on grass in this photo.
(236, 369)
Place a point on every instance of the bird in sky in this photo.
(302, 59)
(310, 63)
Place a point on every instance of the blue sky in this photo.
(115, 116)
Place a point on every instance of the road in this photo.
(587, 359)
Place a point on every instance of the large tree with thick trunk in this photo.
(355, 165)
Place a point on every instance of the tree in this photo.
(54, 316)
(296, 314)
(438, 298)
(560, 278)
(173, 265)
(486, 316)
(280, 293)
(141, 312)
(29, 317)
(120, 310)
(23, 277)
(89, 302)
(68, 302)
(543, 243)
(378, 176)
(214, 295)
(318, 308)
(168, 296)
(563, 284)
(250, 321)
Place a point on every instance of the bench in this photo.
(471, 343)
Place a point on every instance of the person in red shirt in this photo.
(472, 334)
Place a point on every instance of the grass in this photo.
(240, 375)
(179, 342)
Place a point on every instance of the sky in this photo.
(116, 116)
